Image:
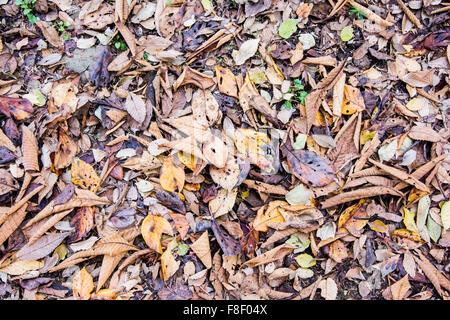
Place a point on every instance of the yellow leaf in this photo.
(338, 251)
(152, 229)
(84, 175)
(189, 160)
(105, 294)
(172, 178)
(305, 260)
(405, 233)
(168, 263)
(82, 285)
(408, 220)
(378, 226)
(253, 145)
(445, 215)
(272, 214)
(22, 266)
(353, 100)
(416, 104)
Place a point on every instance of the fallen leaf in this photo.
(84, 175)
(172, 177)
(82, 285)
(152, 229)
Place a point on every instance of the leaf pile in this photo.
(273, 149)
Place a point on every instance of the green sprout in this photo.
(359, 14)
(119, 44)
(28, 7)
(299, 94)
(61, 25)
(146, 58)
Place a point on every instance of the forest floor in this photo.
(213, 149)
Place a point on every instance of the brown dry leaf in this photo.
(21, 267)
(82, 285)
(400, 289)
(328, 289)
(120, 63)
(152, 229)
(353, 100)
(181, 223)
(249, 98)
(80, 199)
(135, 107)
(11, 223)
(202, 249)
(338, 95)
(223, 202)
(19, 108)
(435, 276)
(168, 263)
(359, 194)
(83, 221)
(324, 60)
(128, 37)
(42, 247)
(172, 178)
(401, 175)
(66, 151)
(191, 76)
(29, 150)
(226, 81)
(84, 175)
(50, 33)
(312, 103)
(98, 16)
(310, 168)
(419, 79)
(274, 254)
(424, 133)
(228, 176)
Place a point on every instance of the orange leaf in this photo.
(84, 175)
(338, 251)
(171, 178)
(263, 217)
(181, 223)
(353, 100)
(82, 285)
(152, 229)
(226, 81)
(168, 263)
(83, 221)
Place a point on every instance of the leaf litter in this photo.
(227, 150)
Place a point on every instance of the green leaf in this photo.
(288, 27)
(434, 229)
(295, 241)
(347, 34)
(288, 105)
(183, 249)
(305, 260)
(300, 141)
(207, 5)
(445, 215)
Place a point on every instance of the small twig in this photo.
(440, 10)
(410, 15)
(371, 15)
